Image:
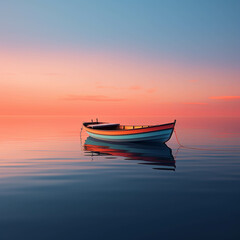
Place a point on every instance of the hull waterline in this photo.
(162, 136)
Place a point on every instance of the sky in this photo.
(135, 57)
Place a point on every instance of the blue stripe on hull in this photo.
(162, 136)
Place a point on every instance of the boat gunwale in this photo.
(148, 126)
(126, 131)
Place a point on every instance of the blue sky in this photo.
(201, 31)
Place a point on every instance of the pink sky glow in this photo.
(67, 83)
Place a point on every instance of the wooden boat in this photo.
(129, 133)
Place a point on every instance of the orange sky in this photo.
(90, 83)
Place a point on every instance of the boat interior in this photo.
(112, 126)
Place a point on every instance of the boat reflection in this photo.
(154, 153)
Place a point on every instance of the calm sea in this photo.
(56, 184)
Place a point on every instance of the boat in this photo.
(116, 132)
(155, 154)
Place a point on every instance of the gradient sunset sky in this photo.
(128, 57)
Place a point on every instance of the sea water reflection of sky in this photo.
(55, 184)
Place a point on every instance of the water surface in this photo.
(55, 184)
